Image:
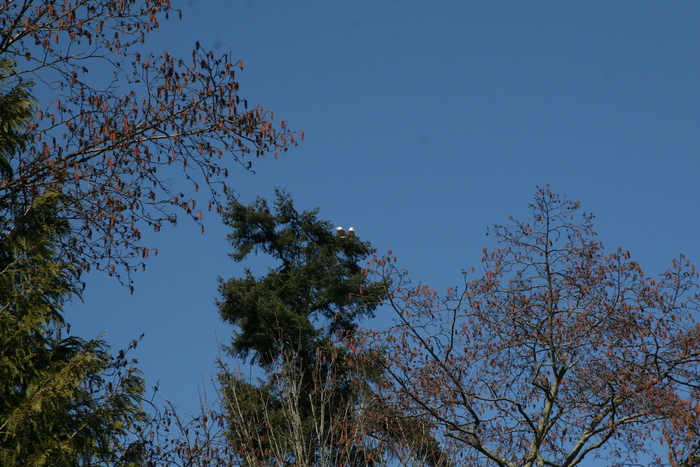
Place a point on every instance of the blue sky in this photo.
(425, 123)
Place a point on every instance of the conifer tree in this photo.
(287, 321)
(64, 401)
(316, 289)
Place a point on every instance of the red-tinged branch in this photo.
(106, 145)
(557, 353)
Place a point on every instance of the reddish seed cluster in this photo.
(559, 352)
(101, 141)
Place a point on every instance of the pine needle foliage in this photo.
(64, 401)
(289, 322)
(16, 110)
(317, 289)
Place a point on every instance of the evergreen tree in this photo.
(16, 106)
(287, 321)
(316, 290)
(64, 401)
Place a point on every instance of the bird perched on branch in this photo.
(339, 232)
(351, 232)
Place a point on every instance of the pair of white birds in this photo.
(339, 232)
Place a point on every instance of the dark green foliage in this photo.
(64, 401)
(289, 321)
(16, 110)
(317, 289)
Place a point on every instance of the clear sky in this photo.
(425, 123)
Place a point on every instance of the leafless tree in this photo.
(559, 353)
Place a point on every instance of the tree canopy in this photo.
(560, 352)
(112, 119)
(318, 287)
(64, 401)
(292, 321)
